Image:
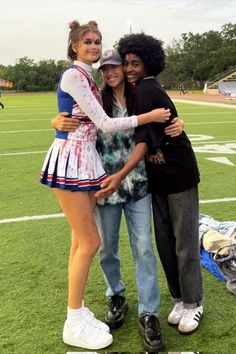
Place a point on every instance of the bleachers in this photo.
(224, 84)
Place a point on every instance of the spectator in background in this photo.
(1, 104)
(181, 89)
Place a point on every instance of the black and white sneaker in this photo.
(117, 308)
(176, 314)
(149, 328)
(190, 320)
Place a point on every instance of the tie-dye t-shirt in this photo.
(115, 149)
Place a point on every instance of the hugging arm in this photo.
(175, 128)
(62, 123)
(75, 84)
(110, 185)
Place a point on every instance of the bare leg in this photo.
(78, 208)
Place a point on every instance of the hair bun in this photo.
(74, 25)
(93, 24)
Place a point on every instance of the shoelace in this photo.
(152, 325)
(179, 307)
(88, 312)
(115, 302)
(89, 331)
(89, 315)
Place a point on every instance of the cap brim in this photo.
(110, 62)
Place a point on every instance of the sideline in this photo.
(61, 215)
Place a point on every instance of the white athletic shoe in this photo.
(97, 323)
(176, 314)
(85, 335)
(190, 320)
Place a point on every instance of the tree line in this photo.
(192, 60)
(197, 58)
(29, 76)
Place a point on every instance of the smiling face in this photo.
(113, 75)
(88, 48)
(134, 68)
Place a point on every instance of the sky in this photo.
(39, 29)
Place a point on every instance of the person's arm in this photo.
(158, 115)
(74, 83)
(61, 123)
(175, 128)
(110, 185)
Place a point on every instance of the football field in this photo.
(35, 237)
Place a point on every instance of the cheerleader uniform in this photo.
(72, 161)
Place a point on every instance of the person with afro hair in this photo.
(173, 178)
(147, 48)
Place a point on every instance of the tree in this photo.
(97, 77)
(198, 57)
(228, 33)
(22, 73)
(30, 76)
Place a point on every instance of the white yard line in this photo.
(30, 113)
(53, 216)
(33, 217)
(22, 153)
(223, 200)
(206, 113)
(24, 131)
(47, 129)
(219, 122)
(182, 114)
(23, 120)
(206, 103)
(193, 143)
(208, 142)
(31, 106)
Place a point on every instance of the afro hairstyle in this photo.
(147, 48)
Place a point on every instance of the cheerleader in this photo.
(74, 171)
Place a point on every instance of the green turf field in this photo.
(34, 250)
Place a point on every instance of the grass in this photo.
(33, 285)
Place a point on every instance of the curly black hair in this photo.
(147, 48)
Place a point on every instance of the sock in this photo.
(74, 315)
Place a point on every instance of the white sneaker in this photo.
(85, 335)
(176, 314)
(190, 320)
(90, 315)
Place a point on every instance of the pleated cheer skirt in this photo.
(73, 165)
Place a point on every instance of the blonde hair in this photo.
(77, 32)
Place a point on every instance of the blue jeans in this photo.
(138, 219)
